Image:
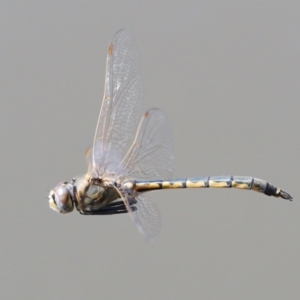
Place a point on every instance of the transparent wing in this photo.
(151, 153)
(144, 215)
(121, 106)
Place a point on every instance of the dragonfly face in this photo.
(61, 198)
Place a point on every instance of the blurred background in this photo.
(227, 74)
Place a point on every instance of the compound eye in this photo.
(60, 199)
(62, 195)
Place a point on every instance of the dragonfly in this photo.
(133, 153)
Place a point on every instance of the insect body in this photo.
(133, 155)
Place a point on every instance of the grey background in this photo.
(227, 73)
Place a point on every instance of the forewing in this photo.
(121, 106)
(151, 154)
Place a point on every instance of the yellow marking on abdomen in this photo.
(171, 185)
(238, 185)
(147, 186)
(215, 184)
(195, 184)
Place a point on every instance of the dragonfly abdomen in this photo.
(238, 182)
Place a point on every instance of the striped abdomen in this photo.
(238, 182)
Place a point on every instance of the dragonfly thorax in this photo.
(92, 194)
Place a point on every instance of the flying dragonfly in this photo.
(131, 154)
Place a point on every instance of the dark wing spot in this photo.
(87, 152)
(110, 49)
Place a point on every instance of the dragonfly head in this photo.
(61, 198)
